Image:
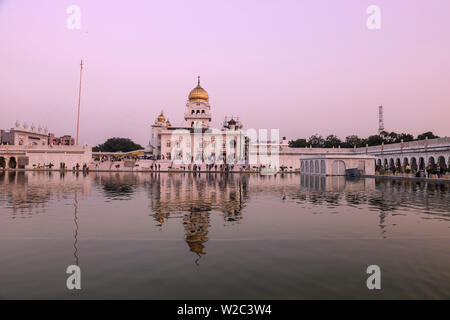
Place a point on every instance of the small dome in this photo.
(232, 121)
(198, 93)
(161, 117)
(168, 123)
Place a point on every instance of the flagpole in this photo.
(79, 101)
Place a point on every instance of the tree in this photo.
(353, 140)
(316, 141)
(299, 143)
(428, 135)
(375, 140)
(332, 141)
(392, 137)
(406, 137)
(116, 145)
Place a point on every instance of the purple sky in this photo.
(302, 66)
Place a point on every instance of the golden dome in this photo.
(161, 117)
(168, 123)
(198, 93)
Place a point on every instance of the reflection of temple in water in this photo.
(28, 192)
(195, 197)
(336, 183)
(196, 200)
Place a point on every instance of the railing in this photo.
(45, 148)
(408, 146)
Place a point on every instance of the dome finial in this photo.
(198, 93)
(161, 117)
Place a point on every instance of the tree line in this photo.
(317, 141)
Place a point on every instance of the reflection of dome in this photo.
(168, 123)
(161, 117)
(196, 245)
(198, 93)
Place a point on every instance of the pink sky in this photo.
(302, 66)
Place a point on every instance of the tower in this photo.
(198, 110)
(380, 120)
(79, 101)
(155, 140)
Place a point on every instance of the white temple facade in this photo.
(196, 142)
(24, 136)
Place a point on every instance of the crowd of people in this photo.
(430, 169)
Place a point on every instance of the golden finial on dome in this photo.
(198, 93)
(161, 117)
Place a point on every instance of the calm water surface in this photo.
(212, 236)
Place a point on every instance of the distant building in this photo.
(65, 140)
(24, 136)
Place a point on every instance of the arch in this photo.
(2, 162)
(311, 166)
(322, 166)
(307, 166)
(405, 166)
(414, 165)
(12, 163)
(421, 163)
(432, 164)
(385, 163)
(338, 168)
(378, 162)
(391, 163)
(316, 166)
(441, 162)
(302, 166)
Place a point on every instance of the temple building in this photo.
(24, 136)
(26, 147)
(195, 141)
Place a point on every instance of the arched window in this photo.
(338, 168)
(322, 166)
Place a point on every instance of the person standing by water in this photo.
(439, 172)
(428, 170)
